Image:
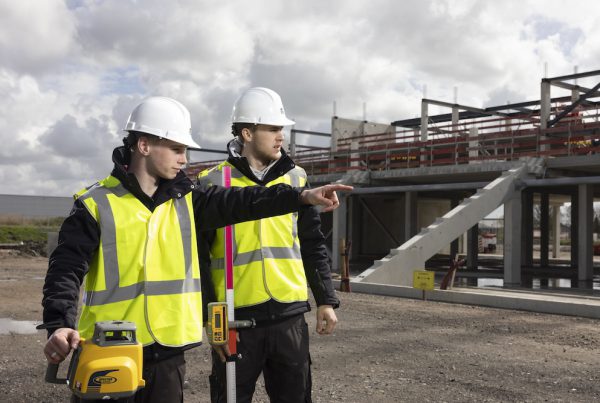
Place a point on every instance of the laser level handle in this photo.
(242, 324)
(51, 372)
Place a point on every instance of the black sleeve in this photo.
(317, 265)
(205, 240)
(78, 239)
(216, 206)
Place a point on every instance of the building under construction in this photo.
(424, 187)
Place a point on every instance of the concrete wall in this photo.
(349, 128)
(35, 206)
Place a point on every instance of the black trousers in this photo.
(164, 382)
(280, 352)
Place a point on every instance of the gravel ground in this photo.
(384, 350)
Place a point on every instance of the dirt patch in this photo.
(384, 350)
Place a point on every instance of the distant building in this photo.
(35, 206)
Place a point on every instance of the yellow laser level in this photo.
(109, 366)
(217, 326)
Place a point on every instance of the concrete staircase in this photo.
(397, 267)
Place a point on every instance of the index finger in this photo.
(340, 187)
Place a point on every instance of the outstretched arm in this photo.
(217, 207)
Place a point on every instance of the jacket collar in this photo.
(280, 168)
(167, 189)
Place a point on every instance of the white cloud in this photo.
(35, 36)
(70, 72)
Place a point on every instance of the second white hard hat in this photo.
(260, 105)
(163, 117)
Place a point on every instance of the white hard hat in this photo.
(163, 117)
(260, 105)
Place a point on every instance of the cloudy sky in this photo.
(71, 71)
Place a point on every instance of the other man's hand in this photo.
(326, 319)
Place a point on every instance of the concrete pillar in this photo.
(424, 128)
(354, 146)
(339, 231)
(545, 103)
(527, 229)
(574, 230)
(409, 150)
(585, 220)
(544, 228)
(556, 231)
(472, 247)
(455, 121)
(473, 145)
(508, 127)
(455, 133)
(512, 242)
(464, 243)
(454, 244)
(354, 226)
(424, 120)
(410, 215)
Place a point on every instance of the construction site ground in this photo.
(384, 349)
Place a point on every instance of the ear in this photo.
(143, 145)
(246, 135)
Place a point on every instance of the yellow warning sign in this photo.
(423, 280)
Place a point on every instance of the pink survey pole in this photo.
(229, 299)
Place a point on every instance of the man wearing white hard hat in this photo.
(275, 259)
(132, 237)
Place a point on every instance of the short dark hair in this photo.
(236, 128)
(133, 136)
(131, 139)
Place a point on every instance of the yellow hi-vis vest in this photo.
(266, 253)
(146, 267)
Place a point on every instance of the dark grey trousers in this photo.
(280, 352)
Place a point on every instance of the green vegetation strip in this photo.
(12, 234)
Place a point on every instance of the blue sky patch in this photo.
(544, 28)
(123, 81)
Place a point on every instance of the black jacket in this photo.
(79, 236)
(315, 258)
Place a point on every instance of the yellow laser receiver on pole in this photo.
(217, 326)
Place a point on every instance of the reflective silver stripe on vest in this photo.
(152, 288)
(258, 255)
(215, 176)
(183, 216)
(295, 182)
(115, 293)
(108, 233)
(294, 175)
(92, 298)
